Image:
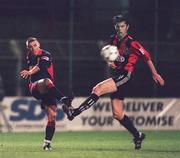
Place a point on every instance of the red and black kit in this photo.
(44, 61)
(129, 52)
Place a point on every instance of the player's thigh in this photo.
(106, 86)
(41, 86)
(34, 91)
(117, 108)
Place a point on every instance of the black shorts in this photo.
(46, 99)
(122, 81)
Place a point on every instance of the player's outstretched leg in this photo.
(104, 87)
(71, 112)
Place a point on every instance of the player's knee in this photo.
(97, 89)
(118, 115)
(52, 117)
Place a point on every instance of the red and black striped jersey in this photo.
(130, 51)
(44, 61)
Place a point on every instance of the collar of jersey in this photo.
(120, 40)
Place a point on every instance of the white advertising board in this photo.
(23, 114)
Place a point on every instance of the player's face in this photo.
(122, 28)
(34, 47)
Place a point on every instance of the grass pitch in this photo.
(161, 144)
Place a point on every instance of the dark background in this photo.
(75, 30)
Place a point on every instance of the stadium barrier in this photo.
(23, 114)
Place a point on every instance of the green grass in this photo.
(90, 145)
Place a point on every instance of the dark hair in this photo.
(29, 40)
(119, 18)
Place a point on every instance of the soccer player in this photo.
(41, 86)
(129, 52)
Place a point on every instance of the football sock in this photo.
(90, 101)
(46, 142)
(127, 123)
(50, 129)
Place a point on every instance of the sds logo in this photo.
(29, 109)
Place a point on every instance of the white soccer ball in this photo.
(109, 53)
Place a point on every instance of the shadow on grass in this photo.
(97, 149)
(161, 151)
(118, 150)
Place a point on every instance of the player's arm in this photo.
(33, 67)
(32, 70)
(146, 56)
(43, 62)
(157, 78)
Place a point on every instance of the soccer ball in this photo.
(109, 53)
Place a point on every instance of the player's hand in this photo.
(112, 65)
(24, 74)
(158, 79)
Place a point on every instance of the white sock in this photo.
(46, 142)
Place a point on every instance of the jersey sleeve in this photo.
(140, 50)
(44, 61)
